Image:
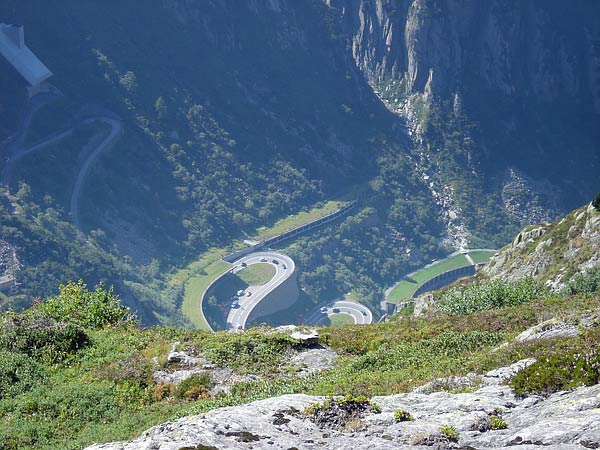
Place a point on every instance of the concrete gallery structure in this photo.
(13, 48)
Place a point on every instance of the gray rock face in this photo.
(565, 421)
(491, 59)
(574, 241)
(493, 378)
(441, 42)
(313, 360)
(547, 330)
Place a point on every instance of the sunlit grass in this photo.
(410, 284)
(481, 256)
(340, 319)
(297, 220)
(195, 287)
(257, 274)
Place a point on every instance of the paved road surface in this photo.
(238, 317)
(359, 312)
(19, 152)
(115, 132)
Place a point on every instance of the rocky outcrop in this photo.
(565, 421)
(551, 252)
(549, 329)
(437, 44)
(516, 72)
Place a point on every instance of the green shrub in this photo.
(90, 309)
(40, 336)
(195, 387)
(562, 370)
(450, 432)
(77, 403)
(596, 202)
(497, 423)
(587, 283)
(401, 415)
(490, 295)
(253, 351)
(134, 370)
(18, 373)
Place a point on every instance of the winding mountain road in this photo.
(19, 151)
(359, 312)
(284, 269)
(115, 133)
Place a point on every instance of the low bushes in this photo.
(18, 373)
(490, 295)
(89, 309)
(40, 336)
(450, 432)
(253, 351)
(497, 423)
(588, 283)
(195, 387)
(400, 415)
(561, 370)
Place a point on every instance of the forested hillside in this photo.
(77, 369)
(237, 114)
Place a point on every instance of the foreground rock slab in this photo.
(563, 421)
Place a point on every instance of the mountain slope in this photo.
(81, 352)
(497, 94)
(237, 115)
(554, 252)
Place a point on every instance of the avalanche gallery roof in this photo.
(13, 48)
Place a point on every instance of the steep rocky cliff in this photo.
(551, 252)
(546, 49)
(523, 80)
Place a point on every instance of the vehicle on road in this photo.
(275, 261)
(284, 266)
(244, 264)
(336, 310)
(364, 313)
(249, 294)
(235, 305)
(263, 259)
(323, 309)
(239, 327)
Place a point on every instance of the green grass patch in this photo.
(297, 220)
(195, 287)
(337, 320)
(257, 274)
(412, 282)
(481, 256)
